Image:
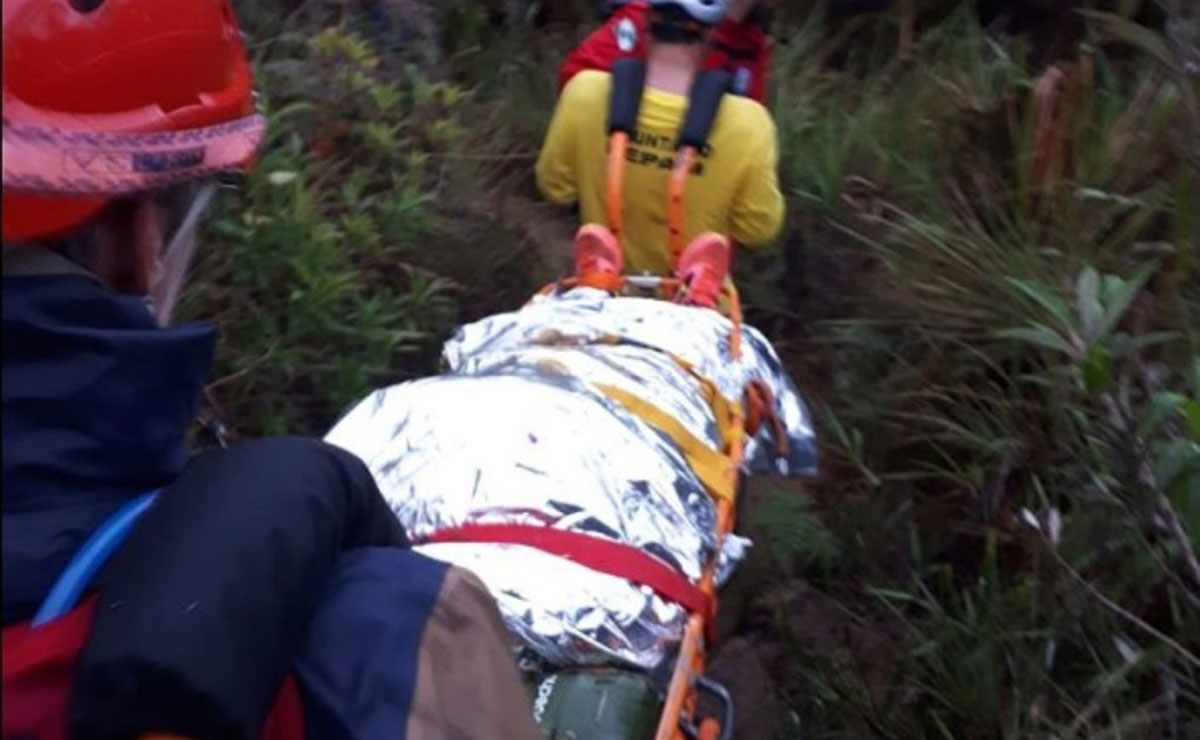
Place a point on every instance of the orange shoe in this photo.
(598, 259)
(703, 268)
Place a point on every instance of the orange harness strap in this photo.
(760, 408)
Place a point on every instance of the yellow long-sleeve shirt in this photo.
(734, 190)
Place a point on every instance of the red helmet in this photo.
(109, 97)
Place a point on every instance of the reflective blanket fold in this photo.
(585, 413)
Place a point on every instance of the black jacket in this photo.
(97, 404)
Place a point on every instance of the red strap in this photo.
(286, 720)
(28, 648)
(39, 670)
(605, 556)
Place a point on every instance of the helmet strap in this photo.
(176, 257)
(675, 26)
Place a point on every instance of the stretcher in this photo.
(583, 456)
(680, 717)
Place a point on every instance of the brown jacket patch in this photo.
(468, 687)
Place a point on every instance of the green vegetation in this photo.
(990, 289)
(369, 229)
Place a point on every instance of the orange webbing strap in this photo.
(624, 104)
(709, 729)
(704, 100)
(735, 316)
(668, 287)
(611, 283)
(685, 159)
(755, 404)
(618, 146)
(691, 660)
(759, 402)
(680, 699)
(601, 281)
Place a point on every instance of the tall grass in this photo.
(1012, 400)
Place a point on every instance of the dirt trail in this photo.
(548, 229)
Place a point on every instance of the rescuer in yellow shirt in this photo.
(734, 187)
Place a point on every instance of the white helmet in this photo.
(708, 12)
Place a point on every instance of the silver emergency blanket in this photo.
(519, 429)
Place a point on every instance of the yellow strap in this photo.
(729, 414)
(715, 470)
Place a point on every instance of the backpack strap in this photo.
(704, 100)
(90, 558)
(708, 90)
(629, 80)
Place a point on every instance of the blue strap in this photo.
(90, 559)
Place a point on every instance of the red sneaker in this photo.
(703, 268)
(598, 259)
